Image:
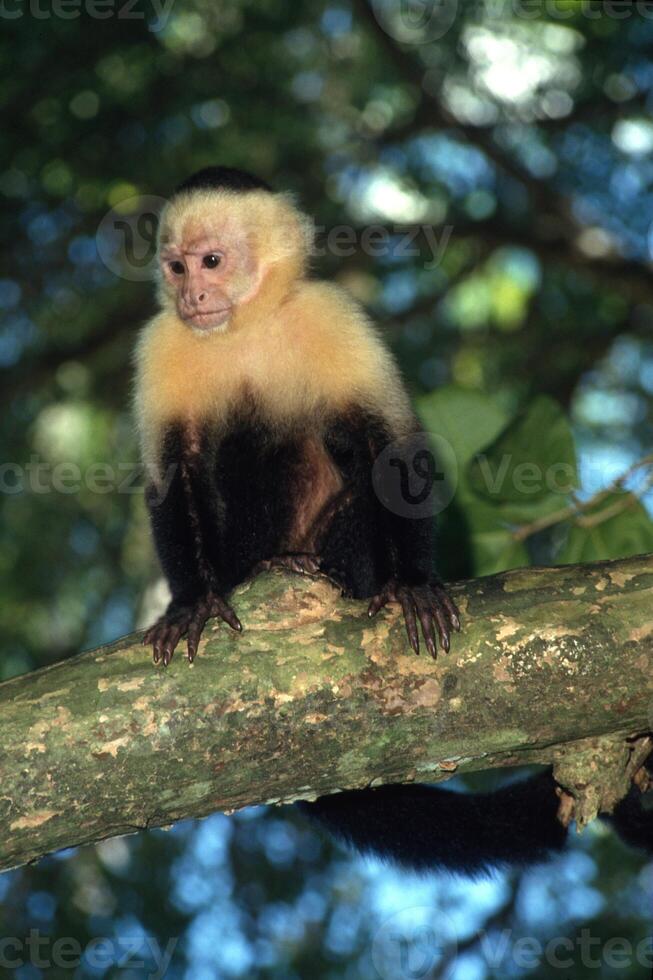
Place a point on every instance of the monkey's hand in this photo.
(428, 603)
(300, 562)
(188, 621)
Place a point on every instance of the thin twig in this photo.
(577, 509)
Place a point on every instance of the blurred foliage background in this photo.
(514, 140)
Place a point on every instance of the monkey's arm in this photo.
(179, 539)
(416, 586)
(414, 582)
(174, 540)
(375, 546)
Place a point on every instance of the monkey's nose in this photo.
(201, 298)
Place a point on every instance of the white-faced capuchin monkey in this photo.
(263, 398)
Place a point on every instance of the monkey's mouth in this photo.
(209, 318)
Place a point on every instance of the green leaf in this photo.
(496, 550)
(625, 530)
(531, 467)
(468, 420)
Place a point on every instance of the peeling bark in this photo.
(313, 697)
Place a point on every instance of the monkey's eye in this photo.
(211, 261)
(177, 268)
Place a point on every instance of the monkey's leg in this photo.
(430, 604)
(189, 621)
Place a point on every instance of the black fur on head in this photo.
(229, 178)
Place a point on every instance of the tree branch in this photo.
(313, 697)
(576, 510)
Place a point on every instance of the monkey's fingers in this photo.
(306, 564)
(387, 594)
(425, 615)
(450, 606)
(158, 639)
(408, 606)
(432, 618)
(165, 640)
(155, 637)
(443, 625)
(148, 635)
(194, 632)
(377, 603)
(174, 635)
(222, 609)
(302, 563)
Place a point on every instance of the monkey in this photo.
(263, 399)
(270, 395)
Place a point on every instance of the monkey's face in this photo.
(219, 250)
(206, 277)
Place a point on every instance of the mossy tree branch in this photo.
(313, 696)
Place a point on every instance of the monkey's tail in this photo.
(426, 828)
(633, 818)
